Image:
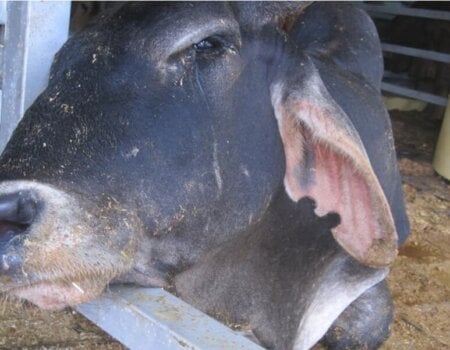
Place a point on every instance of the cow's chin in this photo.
(58, 295)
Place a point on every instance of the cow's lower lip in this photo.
(55, 295)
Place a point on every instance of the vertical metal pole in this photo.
(2, 43)
(441, 160)
(34, 32)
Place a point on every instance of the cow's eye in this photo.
(209, 45)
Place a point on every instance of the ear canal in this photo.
(326, 161)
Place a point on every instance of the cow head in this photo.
(167, 130)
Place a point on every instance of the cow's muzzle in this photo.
(59, 248)
(18, 210)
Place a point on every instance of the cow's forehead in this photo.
(178, 15)
(160, 29)
(153, 30)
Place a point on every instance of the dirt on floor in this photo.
(419, 280)
(420, 277)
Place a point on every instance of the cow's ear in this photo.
(326, 161)
(343, 35)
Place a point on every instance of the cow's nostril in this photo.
(18, 208)
(17, 212)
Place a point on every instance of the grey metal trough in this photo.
(151, 318)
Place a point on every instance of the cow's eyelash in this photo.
(210, 43)
(214, 45)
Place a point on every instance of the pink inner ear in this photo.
(325, 161)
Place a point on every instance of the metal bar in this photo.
(2, 11)
(13, 58)
(399, 76)
(406, 11)
(419, 95)
(410, 51)
(34, 32)
(151, 318)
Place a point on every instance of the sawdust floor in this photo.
(420, 277)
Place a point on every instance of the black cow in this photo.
(238, 152)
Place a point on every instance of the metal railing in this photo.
(32, 33)
(391, 9)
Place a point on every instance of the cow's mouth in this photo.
(56, 295)
(52, 290)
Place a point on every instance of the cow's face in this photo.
(169, 129)
(154, 141)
